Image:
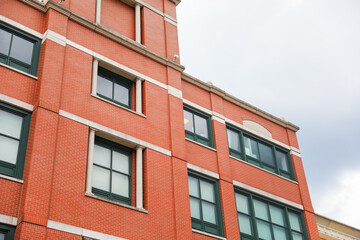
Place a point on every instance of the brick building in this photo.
(102, 135)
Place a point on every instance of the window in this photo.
(6, 232)
(114, 87)
(14, 130)
(198, 126)
(260, 218)
(258, 152)
(205, 204)
(112, 171)
(19, 50)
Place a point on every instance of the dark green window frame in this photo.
(206, 140)
(117, 80)
(199, 222)
(6, 231)
(6, 59)
(269, 156)
(114, 147)
(258, 216)
(16, 170)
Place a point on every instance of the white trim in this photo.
(139, 178)
(292, 152)
(113, 132)
(203, 171)
(5, 219)
(20, 26)
(17, 103)
(11, 178)
(216, 118)
(137, 23)
(175, 92)
(90, 161)
(268, 195)
(334, 233)
(98, 11)
(170, 20)
(19, 71)
(198, 107)
(55, 37)
(166, 16)
(138, 95)
(208, 234)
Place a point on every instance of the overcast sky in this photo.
(299, 59)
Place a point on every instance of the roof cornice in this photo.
(175, 1)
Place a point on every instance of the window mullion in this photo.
(275, 159)
(111, 172)
(8, 55)
(253, 219)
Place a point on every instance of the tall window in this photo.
(112, 171)
(114, 87)
(205, 204)
(259, 152)
(198, 126)
(18, 49)
(14, 130)
(260, 218)
(6, 232)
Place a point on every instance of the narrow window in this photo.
(198, 126)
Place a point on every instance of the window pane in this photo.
(8, 149)
(266, 154)
(102, 156)
(264, 230)
(207, 191)
(21, 49)
(188, 121)
(261, 210)
(242, 204)
(195, 208)
(101, 178)
(244, 224)
(279, 233)
(2, 236)
(193, 187)
(104, 87)
(10, 124)
(120, 184)
(121, 94)
(282, 160)
(5, 38)
(120, 162)
(294, 221)
(251, 148)
(233, 140)
(297, 236)
(209, 212)
(201, 127)
(277, 215)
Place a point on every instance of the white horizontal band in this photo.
(17, 103)
(8, 220)
(203, 171)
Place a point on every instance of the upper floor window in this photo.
(259, 152)
(198, 126)
(19, 50)
(205, 204)
(14, 130)
(261, 218)
(6, 232)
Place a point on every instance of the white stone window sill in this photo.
(190, 140)
(19, 71)
(116, 203)
(11, 178)
(208, 234)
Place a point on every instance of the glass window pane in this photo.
(251, 148)
(102, 156)
(2, 236)
(188, 121)
(282, 160)
(207, 191)
(209, 212)
(121, 162)
(297, 236)
(21, 49)
(242, 204)
(244, 224)
(261, 210)
(277, 215)
(233, 140)
(195, 208)
(264, 230)
(5, 38)
(10, 124)
(201, 127)
(266, 154)
(294, 221)
(8, 149)
(101, 178)
(193, 187)
(279, 233)
(104, 87)
(121, 94)
(120, 184)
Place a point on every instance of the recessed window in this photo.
(259, 152)
(14, 130)
(261, 218)
(205, 204)
(198, 126)
(112, 171)
(18, 49)
(114, 87)
(6, 232)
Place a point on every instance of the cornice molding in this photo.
(334, 233)
(176, 2)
